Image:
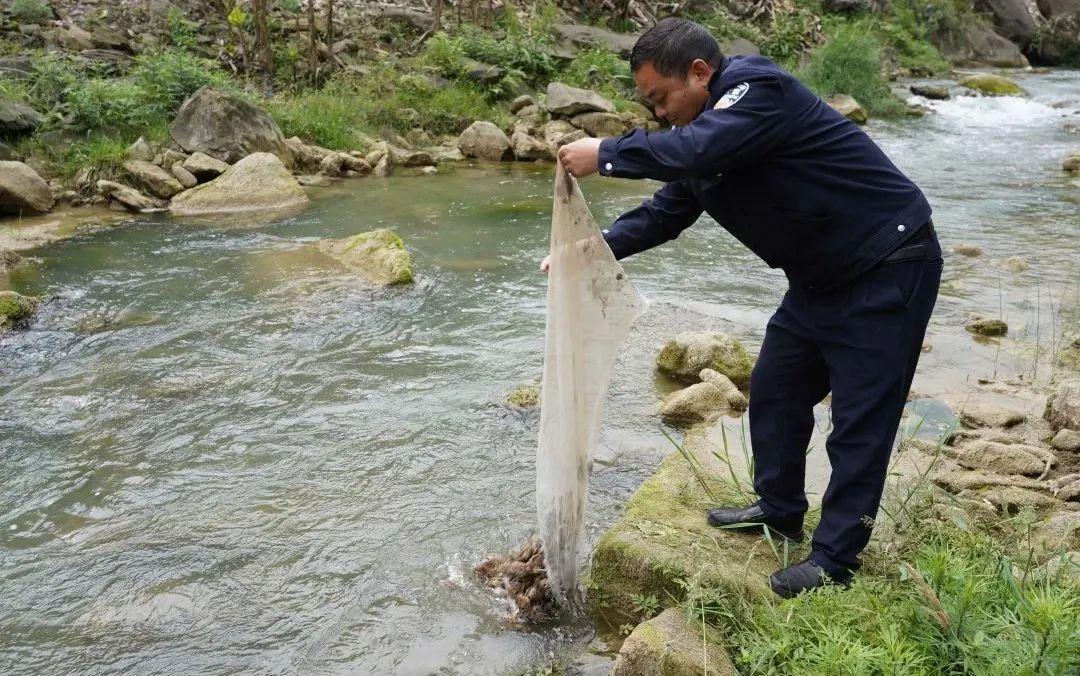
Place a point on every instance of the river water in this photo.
(223, 453)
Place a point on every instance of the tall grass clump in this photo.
(852, 62)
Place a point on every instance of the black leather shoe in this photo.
(751, 518)
(802, 576)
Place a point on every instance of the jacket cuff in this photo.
(607, 158)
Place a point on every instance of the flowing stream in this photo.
(221, 452)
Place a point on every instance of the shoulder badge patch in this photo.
(732, 96)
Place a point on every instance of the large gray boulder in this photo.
(1012, 18)
(17, 119)
(22, 190)
(979, 45)
(258, 181)
(1052, 9)
(595, 37)
(562, 99)
(483, 140)
(227, 128)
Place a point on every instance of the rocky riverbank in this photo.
(688, 596)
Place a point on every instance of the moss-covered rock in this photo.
(987, 327)
(664, 540)
(15, 309)
(668, 645)
(687, 354)
(524, 396)
(992, 85)
(379, 255)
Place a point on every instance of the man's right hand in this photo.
(545, 264)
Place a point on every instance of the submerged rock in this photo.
(483, 140)
(524, 396)
(227, 128)
(992, 85)
(668, 645)
(1071, 163)
(848, 107)
(969, 250)
(987, 327)
(1016, 264)
(379, 255)
(932, 92)
(8, 260)
(259, 181)
(16, 309)
(22, 190)
(1063, 407)
(684, 357)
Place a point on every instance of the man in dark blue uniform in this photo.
(809, 192)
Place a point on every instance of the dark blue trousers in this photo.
(861, 342)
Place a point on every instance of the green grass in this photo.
(945, 592)
(30, 11)
(852, 62)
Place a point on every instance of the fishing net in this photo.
(590, 307)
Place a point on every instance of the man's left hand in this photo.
(581, 157)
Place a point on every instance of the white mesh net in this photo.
(590, 307)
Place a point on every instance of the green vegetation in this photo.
(947, 591)
(852, 62)
(30, 11)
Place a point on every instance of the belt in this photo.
(912, 248)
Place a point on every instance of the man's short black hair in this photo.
(672, 45)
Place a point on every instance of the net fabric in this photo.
(590, 307)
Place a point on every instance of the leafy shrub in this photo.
(169, 77)
(30, 11)
(601, 70)
(102, 105)
(851, 62)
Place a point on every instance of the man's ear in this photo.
(700, 70)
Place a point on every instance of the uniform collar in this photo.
(715, 90)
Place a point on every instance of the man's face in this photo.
(675, 99)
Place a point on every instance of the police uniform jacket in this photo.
(799, 184)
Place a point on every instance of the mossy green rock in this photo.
(668, 645)
(15, 309)
(664, 540)
(687, 354)
(379, 255)
(987, 327)
(992, 85)
(525, 396)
